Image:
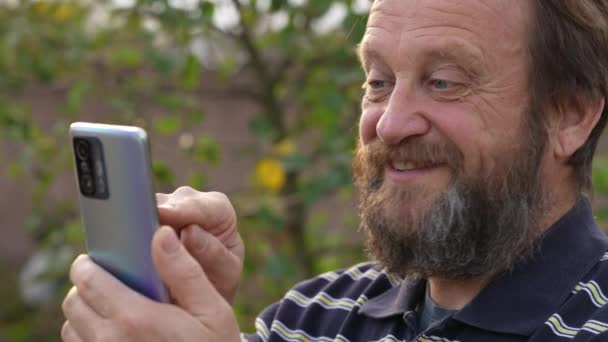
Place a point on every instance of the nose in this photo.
(403, 117)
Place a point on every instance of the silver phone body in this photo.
(119, 229)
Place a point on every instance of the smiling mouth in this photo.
(402, 165)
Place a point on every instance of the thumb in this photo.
(223, 268)
(184, 277)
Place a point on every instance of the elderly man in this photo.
(480, 121)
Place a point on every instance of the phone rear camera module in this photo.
(91, 168)
(83, 149)
(84, 167)
(87, 185)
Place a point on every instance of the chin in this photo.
(407, 206)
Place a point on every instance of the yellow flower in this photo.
(270, 174)
(285, 148)
(64, 12)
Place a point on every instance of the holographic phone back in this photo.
(117, 202)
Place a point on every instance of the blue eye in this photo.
(376, 84)
(440, 84)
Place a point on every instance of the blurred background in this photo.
(258, 99)
(254, 98)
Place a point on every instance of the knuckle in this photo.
(192, 271)
(220, 197)
(184, 191)
(225, 315)
(222, 201)
(103, 335)
(86, 280)
(66, 332)
(132, 321)
(105, 332)
(69, 301)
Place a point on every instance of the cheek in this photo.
(367, 125)
(462, 126)
(485, 137)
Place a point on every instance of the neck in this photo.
(455, 294)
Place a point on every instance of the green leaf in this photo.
(319, 7)
(296, 161)
(600, 175)
(276, 5)
(279, 266)
(14, 170)
(162, 173)
(196, 117)
(43, 69)
(355, 26)
(207, 9)
(127, 57)
(164, 64)
(171, 102)
(318, 187)
(75, 96)
(206, 150)
(168, 125)
(192, 73)
(197, 181)
(262, 127)
(268, 219)
(227, 68)
(73, 232)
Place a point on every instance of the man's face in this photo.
(446, 158)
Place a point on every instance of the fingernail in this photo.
(169, 242)
(198, 237)
(166, 206)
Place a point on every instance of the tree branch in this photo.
(269, 100)
(247, 41)
(287, 62)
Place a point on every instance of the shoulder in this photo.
(312, 305)
(361, 279)
(584, 315)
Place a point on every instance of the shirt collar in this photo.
(520, 301)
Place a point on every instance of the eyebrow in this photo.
(452, 51)
(367, 55)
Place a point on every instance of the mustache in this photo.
(377, 154)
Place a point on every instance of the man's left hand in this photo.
(101, 308)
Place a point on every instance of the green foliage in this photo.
(124, 61)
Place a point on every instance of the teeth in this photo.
(403, 166)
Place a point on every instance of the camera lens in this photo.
(87, 185)
(84, 167)
(82, 149)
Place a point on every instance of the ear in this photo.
(577, 118)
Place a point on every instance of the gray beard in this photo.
(464, 234)
(479, 226)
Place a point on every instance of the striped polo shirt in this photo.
(560, 294)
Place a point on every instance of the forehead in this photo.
(483, 27)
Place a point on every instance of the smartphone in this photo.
(117, 202)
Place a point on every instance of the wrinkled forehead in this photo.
(496, 11)
(491, 26)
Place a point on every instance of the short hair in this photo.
(569, 62)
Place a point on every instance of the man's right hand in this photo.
(206, 223)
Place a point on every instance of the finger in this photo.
(101, 291)
(161, 198)
(183, 275)
(217, 261)
(211, 210)
(68, 334)
(83, 320)
(179, 194)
